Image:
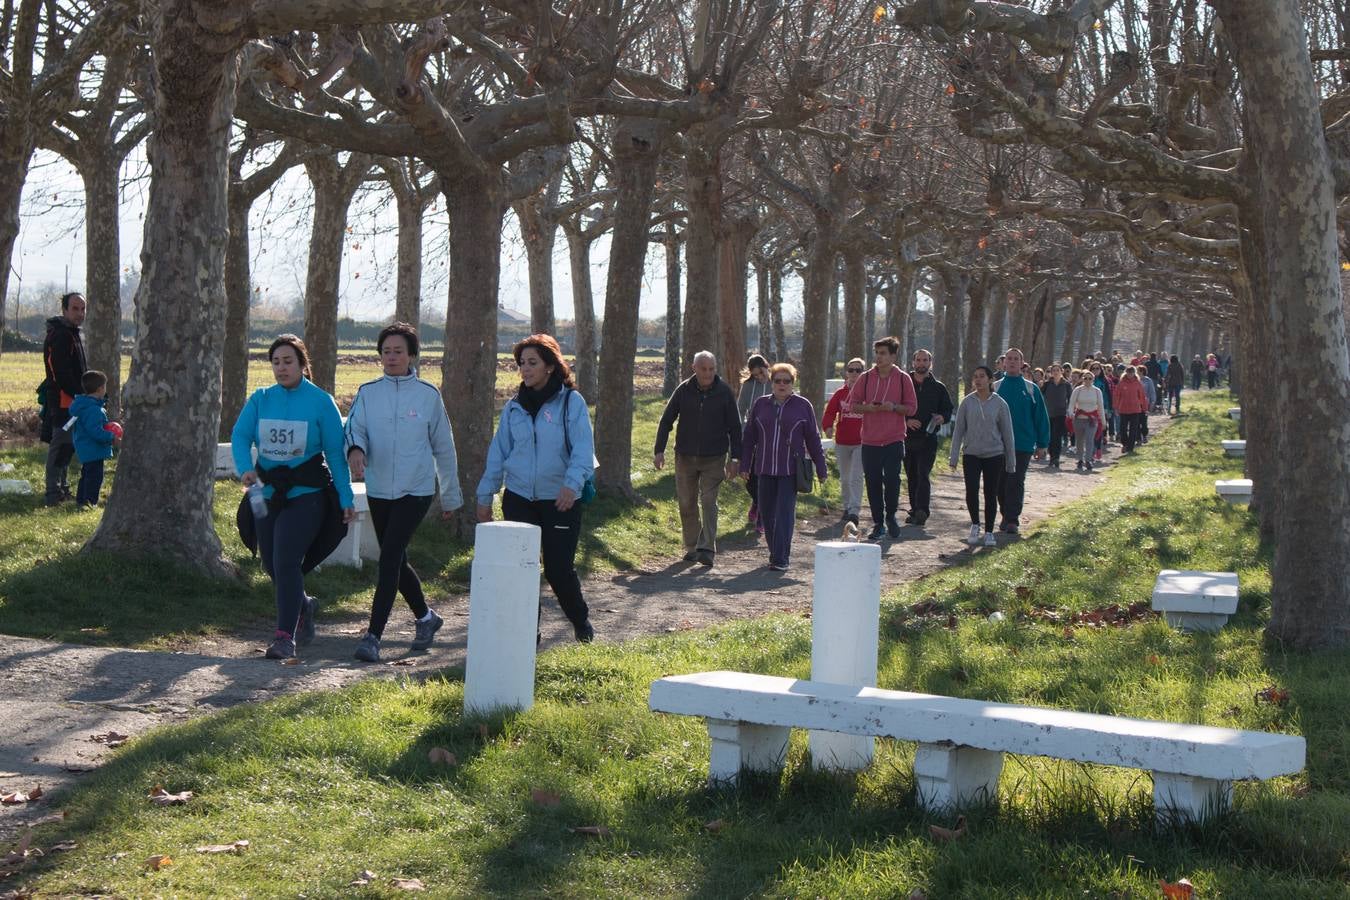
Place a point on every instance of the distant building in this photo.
(511, 317)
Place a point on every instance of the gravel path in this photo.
(55, 697)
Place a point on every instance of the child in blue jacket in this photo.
(93, 442)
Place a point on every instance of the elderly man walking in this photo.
(709, 429)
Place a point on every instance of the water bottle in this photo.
(257, 501)
(933, 426)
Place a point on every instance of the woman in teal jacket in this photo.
(291, 424)
(544, 452)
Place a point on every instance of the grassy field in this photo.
(154, 604)
(327, 786)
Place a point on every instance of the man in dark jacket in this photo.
(921, 440)
(63, 356)
(709, 428)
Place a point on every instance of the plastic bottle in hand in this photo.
(257, 501)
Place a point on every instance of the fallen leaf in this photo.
(161, 797)
(541, 797)
(406, 661)
(16, 797)
(714, 826)
(598, 831)
(236, 847)
(949, 834)
(20, 852)
(365, 877)
(291, 661)
(1182, 890)
(1273, 694)
(50, 818)
(62, 847)
(76, 768)
(11, 774)
(442, 756)
(157, 862)
(111, 738)
(408, 884)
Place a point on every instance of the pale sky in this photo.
(51, 248)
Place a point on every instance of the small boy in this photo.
(93, 442)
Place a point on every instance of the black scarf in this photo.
(533, 399)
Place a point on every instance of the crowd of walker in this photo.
(297, 459)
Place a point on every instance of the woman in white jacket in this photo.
(399, 439)
(1087, 409)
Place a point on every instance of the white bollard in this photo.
(503, 618)
(845, 611)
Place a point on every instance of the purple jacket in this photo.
(775, 435)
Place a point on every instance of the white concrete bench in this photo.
(1235, 413)
(1196, 601)
(225, 461)
(962, 742)
(360, 542)
(15, 486)
(1235, 490)
(1234, 448)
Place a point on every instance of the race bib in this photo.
(280, 440)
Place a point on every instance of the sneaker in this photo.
(368, 648)
(1080, 465)
(893, 528)
(584, 632)
(304, 632)
(426, 631)
(704, 557)
(282, 647)
(989, 540)
(754, 513)
(691, 556)
(974, 538)
(852, 517)
(878, 532)
(912, 518)
(921, 517)
(1089, 466)
(1011, 528)
(778, 567)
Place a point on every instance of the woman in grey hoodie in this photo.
(984, 425)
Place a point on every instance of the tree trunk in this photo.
(1292, 190)
(238, 298)
(1070, 326)
(334, 187)
(832, 342)
(103, 265)
(973, 345)
(583, 305)
(161, 500)
(539, 233)
(408, 293)
(776, 314)
(764, 344)
(734, 305)
(671, 371)
(475, 200)
(637, 150)
(1146, 338)
(703, 204)
(869, 321)
(1085, 326)
(1086, 350)
(995, 326)
(947, 362)
(816, 294)
(1109, 328)
(16, 152)
(1040, 341)
(855, 294)
(901, 306)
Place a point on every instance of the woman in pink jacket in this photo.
(1131, 404)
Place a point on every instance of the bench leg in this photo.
(740, 745)
(840, 752)
(1190, 621)
(950, 777)
(1184, 798)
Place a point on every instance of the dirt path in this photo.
(54, 697)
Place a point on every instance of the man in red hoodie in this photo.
(885, 397)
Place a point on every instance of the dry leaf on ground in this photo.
(365, 877)
(48, 819)
(442, 756)
(598, 831)
(236, 847)
(949, 834)
(541, 797)
(157, 862)
(111, 738)
(20, 852)
(16, 797)
(408, 884)
(76, 768)
(405, 662)
(1182, 890)
(714, 826)
(1273, 694)
(161, 797)
(62, 847)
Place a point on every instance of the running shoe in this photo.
(368, 648)
(282, 647)
(426, 630)
(893, 528)
(974, 538)
(878, 532)
(584, 632)
(989, 540)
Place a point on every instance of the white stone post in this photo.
(845, 610)
(503, 617)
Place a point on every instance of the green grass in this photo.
(324, 786)
(150, 603)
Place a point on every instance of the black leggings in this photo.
(559, 534)
(395, 521)
(283, 539)
(991, 467)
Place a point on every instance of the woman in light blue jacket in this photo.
(544, 451)
(399, 439)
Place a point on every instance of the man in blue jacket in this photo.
(1031, 435)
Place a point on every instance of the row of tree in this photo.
(1022, 164)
